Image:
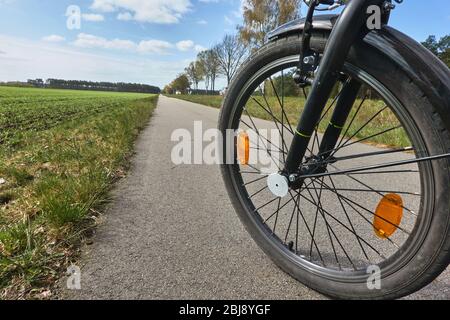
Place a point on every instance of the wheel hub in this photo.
(278, 184)
(312, 165)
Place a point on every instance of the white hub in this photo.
(278, 185)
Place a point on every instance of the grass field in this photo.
(60, 152)
(293, 108)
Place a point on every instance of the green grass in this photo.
(60, 153)
(294, 106)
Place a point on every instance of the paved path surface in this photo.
(171, 232)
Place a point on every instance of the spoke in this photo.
(369, 137)
(319, 205)
(253, 181)
(307, 226)
(259, 136)
(315, 225)
(250, 172)
(265, 205)
(260, 149)
(347, 228)
(350, 124)
(346, 131)
(383, 172)
(349, 220)
(372, 213)
(263, 138)
(290, 221)
(258, 192)
(276, 218)
(265, 221)
(270, 112)
(276, 212)
(331, 105)
(382, 193)
(281, 105)
(380, 166)
(363, 126)
(275, 120)
(371, 154)
(365, 218)
(254, 168)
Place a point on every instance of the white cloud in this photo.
(93, 17)
(202, 22)
(54, 38)
(90, 41)
(153, 11)
(189, 45)
(200, 48)
(186, 45)
(124, 16)
(64, 62)
(154, 46)
(146, 47)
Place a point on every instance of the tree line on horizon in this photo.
(88, 85)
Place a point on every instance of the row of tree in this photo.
(441, 47)
(225, 58)
(95, 86)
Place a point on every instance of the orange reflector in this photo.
(243, 148)
(388, 216)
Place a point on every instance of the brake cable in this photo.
(309, 59)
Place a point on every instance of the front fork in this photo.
(350, 27)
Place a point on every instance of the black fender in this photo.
(429, 73)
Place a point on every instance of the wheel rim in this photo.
(314, 255)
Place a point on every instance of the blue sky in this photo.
(147, 41)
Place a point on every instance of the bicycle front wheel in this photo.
(351, 231)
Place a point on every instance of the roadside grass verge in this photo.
(385, 120)
(55, 182)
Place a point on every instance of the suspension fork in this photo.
(341, 112)
(350, 27)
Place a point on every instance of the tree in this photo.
(96, 86)
(202, 63)
(230, 54)
(181, 83)
(168, 89)
(210, 64)
(262, 16)
(440, 48)
(195, 73)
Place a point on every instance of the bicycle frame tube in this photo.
(344, 105)
(350, 28)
